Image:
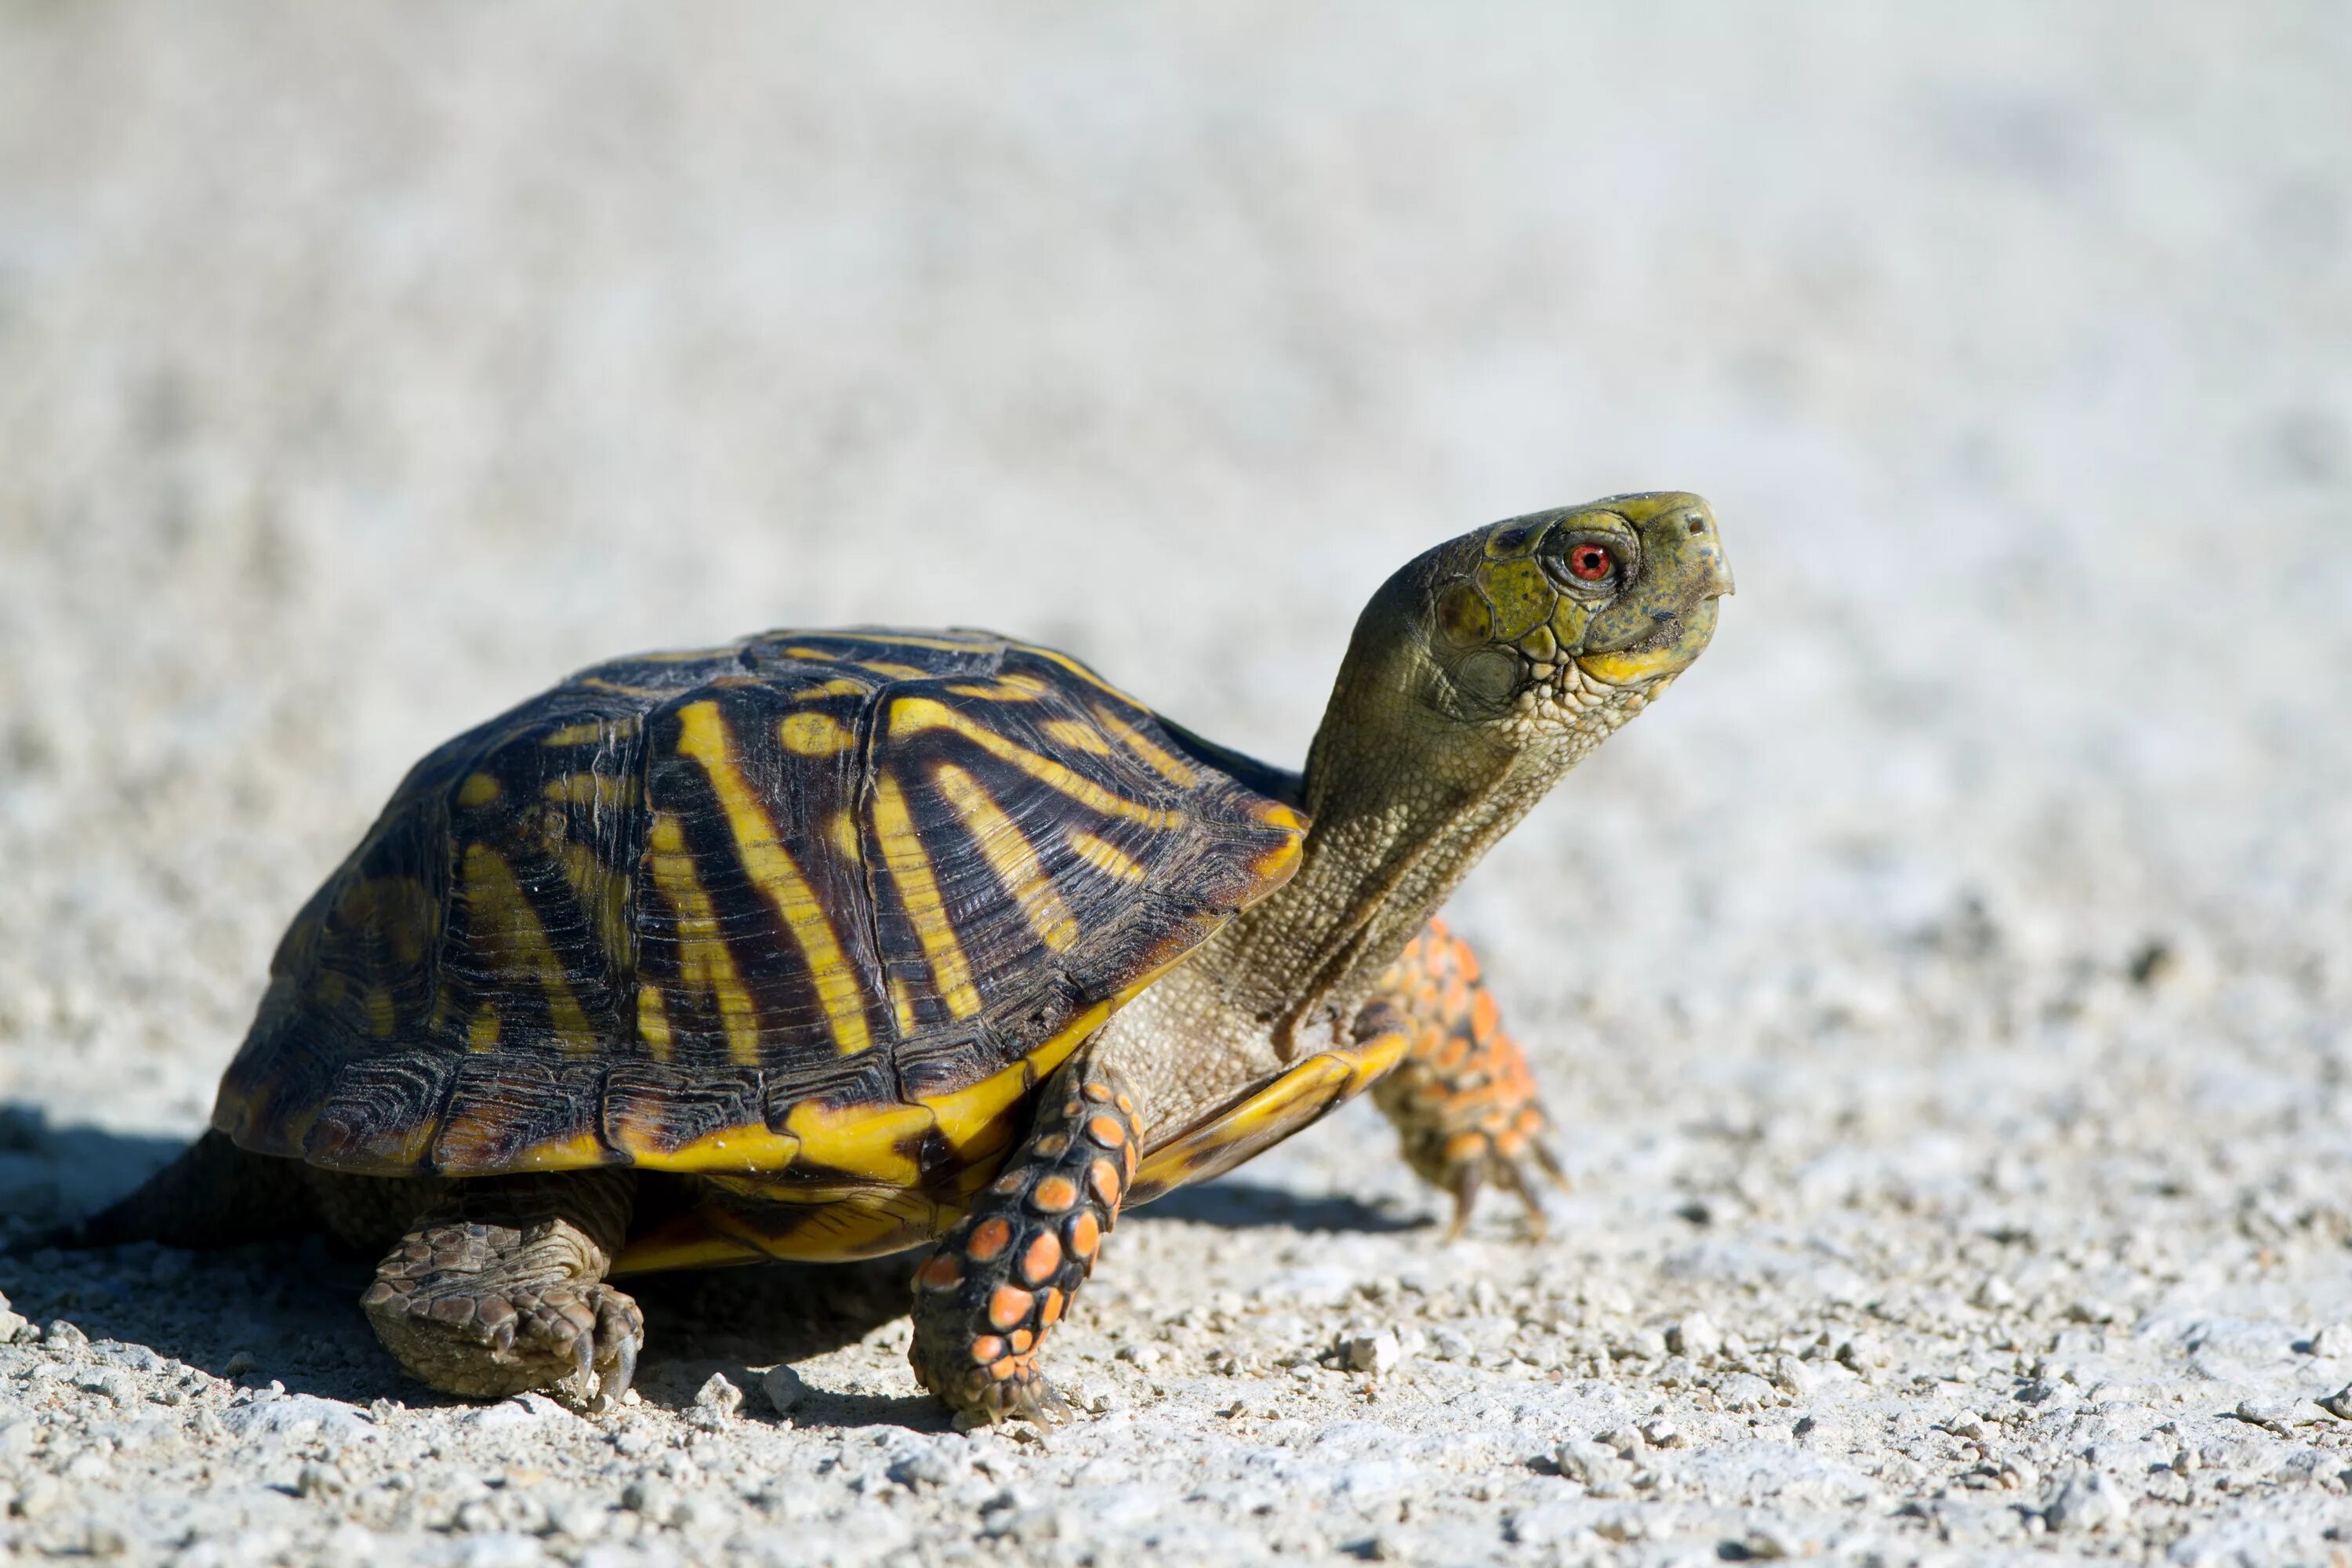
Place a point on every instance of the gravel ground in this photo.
(1943, 994)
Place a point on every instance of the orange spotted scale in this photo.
(811, 916)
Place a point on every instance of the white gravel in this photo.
(1944, 993)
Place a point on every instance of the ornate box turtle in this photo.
(827, 944)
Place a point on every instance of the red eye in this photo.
(1591, 562)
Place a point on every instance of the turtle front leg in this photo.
(1462, 1101)
(1004, 1276)
(500, 1289)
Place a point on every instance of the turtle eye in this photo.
(1590, 562)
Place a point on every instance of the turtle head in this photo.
(1545, 627)
(1566, 609)
(1479, 675)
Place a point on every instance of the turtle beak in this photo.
(1666, 622)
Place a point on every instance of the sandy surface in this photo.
(1943, 992)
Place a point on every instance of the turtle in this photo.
(823, 945)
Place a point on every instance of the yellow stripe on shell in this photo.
(895, 671)
(604, 794)
(1108, 858)
(380, 1015)
(863, 1139)
(499, 914)
(814, 735)
(588, 732)
(1080, 670)
(1006, 690)
(974, 1120)
(653, 1021)
(840, 686)
(1010, 857)
(918, 897)
(482, 1034)
(703, 736)
(563, 1154)
(1157, 757)
(1076, 734)
(748, 1149)
(479, 789)
(909, 715)
(706, 966)
(842, 829)
(605, 894)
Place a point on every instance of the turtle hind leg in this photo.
(499, 1289)
(1462, 1101)
(214, 1195)
(999, 1280)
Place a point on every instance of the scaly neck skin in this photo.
(1404, 799)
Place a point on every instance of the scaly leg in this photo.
(1003, 1277)
(498, 1288)
(1463, 1103)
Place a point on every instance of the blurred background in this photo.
(366, 368)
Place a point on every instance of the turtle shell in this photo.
(822, 906)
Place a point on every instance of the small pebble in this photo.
(782, 1389)
(1377, 1353)
(240, 1363)
(2089, 1500)
(716, 1403)
(2334, 1340)
(1695, 1336)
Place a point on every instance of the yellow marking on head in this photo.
(1077, 734)
(1108, 858)
(751, 1148)
(1010, 857)
(381, 1020)
(482, 1034)
(582, 1153)
(814, 735)
(919, 896)
(653, 1021)
(706, 966)
(502, 917)
(1006, 690)
(588, 732)
(1157, 757)
(910, 714)
(895, 671)
(605, 894)
(703, 736)
(975, 1120)
(604, 794)
(841, 828)
(479, 789)
(861, 1139)
(840, 686)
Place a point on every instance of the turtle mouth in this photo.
(1675, 638)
